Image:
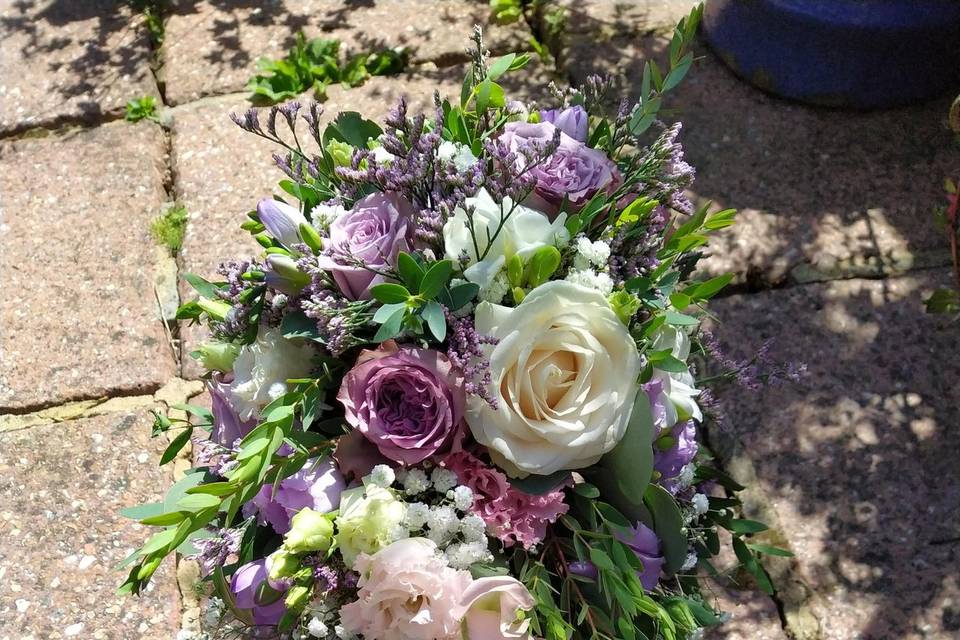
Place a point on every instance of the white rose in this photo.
(565, 375)
(679, 387)
(524, 231)
(261, 371)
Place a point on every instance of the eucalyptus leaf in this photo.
(668, 524)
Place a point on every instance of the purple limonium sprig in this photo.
(757, 372)
(634, 253)
(465, 349)
(214, 551)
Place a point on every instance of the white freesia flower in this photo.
(523, 232)
(564, 375)
(261, 371)
(460, 154)
(679, 387)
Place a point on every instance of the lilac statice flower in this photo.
(466, 350)
(572, 121)
(317, 486)
(646, 546)
(265, 603)
(216, 550)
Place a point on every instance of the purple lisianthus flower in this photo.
(646, 546)
(227, 425)
(574, 171)
(281, 220)
(681, 449)
(369, 236)
(584, 568)
(572, 121)
(317, 486)
(268, 608)
(408, 402)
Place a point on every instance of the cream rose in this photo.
(565, 375)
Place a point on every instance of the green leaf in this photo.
(176, 445)
(352, 128)
(537, 485)
(391, 325)
(433, 314)
(749, 562)
(165, 519)
(746, 526)
(586, 490)
(390, 293)
(141, 511)
(500, 66)
(179, 489)
(631, 461)
(201, 286)
(680, 320)
(435, 279)
(543, 263)
(720, 220)
(198, 501)
(668, 524)
(296, 324)
(158, 541)
(214, 489)
(678, 72)
(410, 271)
(708, 289)
(383, 313)
(770, 551)
(602, 560)
(462, 294)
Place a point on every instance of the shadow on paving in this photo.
(823, 193)
(114, 51)
(859, 461)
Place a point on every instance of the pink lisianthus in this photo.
(511, 515)
(491, 608)
(407, 592)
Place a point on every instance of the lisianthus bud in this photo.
(281, 220)
(309, 531)
(340, 152)
(370, 519)
(282, 564)
(284, 275)
(297, 597)
(217, 356)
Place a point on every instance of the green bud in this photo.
(297, 597)
(147, 568)
(543, 263)
(515, 271)
(263, 240)
(341, 152)
(625, 305)
(681, 614)
(665, 443)
(217, 356)
(309, 531)
(310, 237)
(282, 564)
(213, 308)
(518, 295)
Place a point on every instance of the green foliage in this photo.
(315, 64)
(144, 108)
(169, 228)
(948, 300)
(152, 11)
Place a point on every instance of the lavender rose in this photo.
(408, 402)
(373, 233)
(265, 603)
(317, 486)
(646, 546)
(572, 121)
(574, 171)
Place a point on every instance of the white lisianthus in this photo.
(565, 375)
(261, 371)
(679, 387)
(370, 518)
(459, 154)
(523, 232)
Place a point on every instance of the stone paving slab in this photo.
(61, 488)
(69, 61)
(79, 318)
(822, 193)
(221, 171)
(859, 462)
(211, 46)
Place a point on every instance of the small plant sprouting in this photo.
(169, 227)
(312, 65)
(144, 108)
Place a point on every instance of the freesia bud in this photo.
(217, 356)
(281, 220)
(284, 275)
(309, 531)
(297, 597)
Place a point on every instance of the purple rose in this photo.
(574, 171)
(227, 425)
(267, 606)
(646, 546)
(318, 486)
(373, 233)
(408, 402)
(572, 121)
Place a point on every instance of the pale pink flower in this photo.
(491, 608)
(407, 592)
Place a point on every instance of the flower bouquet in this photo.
(453, 397)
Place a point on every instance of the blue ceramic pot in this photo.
(844, 53)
